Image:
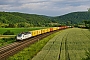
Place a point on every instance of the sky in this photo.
(44, 7)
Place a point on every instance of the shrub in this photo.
(8, 32)
(8, 39)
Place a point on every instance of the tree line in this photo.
(17, 19)
(87, 24)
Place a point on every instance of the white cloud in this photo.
(45, 7)
(4, 7)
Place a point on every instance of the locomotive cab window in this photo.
(19, 35)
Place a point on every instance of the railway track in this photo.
(15, 47)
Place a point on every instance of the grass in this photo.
(77, 43)
(19, 30)
(16, 31)
(74, 49)
(29, 52)
(52, 49)
(6, 36)
(6, 41)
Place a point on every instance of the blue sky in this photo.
(44, 7)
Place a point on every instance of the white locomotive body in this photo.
(23, 36)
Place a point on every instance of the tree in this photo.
(21, 25)
(87, 24)
(11, 25)
(68, 23)
(88, 9)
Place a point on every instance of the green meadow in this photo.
(19, 30)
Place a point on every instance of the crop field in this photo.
(78, 42)
(70, 44)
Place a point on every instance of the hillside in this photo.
(74, 18)
(24, 19)
(16, 19)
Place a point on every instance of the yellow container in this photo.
(34, 33)
(43, 31)
(38, 32)
(54, 28)
(58, 28)
(48, 29)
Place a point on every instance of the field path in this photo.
(69, 44)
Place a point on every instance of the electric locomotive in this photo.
(23, 35)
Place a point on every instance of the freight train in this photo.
(26, 35)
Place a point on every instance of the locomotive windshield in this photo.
(19, 35)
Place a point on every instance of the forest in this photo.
(17, 19)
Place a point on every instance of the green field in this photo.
(78, 42)
(19, 30)
(7, 39)
(29, 52)
(70, 44)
